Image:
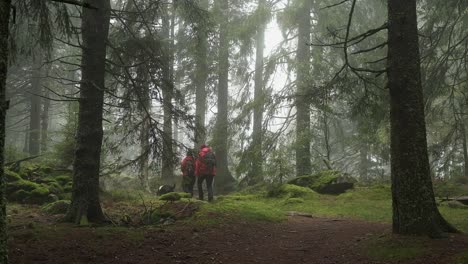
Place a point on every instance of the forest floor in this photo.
(39, 238)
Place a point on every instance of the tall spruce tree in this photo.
(224, 181)
(85, 204)
(5, 6)
(414, 207)
(257, 133)
(303, 163)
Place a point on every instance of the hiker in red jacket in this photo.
(188, 171)
(205, 169)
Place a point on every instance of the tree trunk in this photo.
(414, 207)
(363, 161)
(257, 134)
(145, 150)
(303, 163)
(35, 110)
(5, 6)
(201, 75)
(224, 180)
(45, 121)
(85, 205)
(167, 91)
(465, 147)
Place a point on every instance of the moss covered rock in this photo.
(289, 190)
(12, 176)
(25, 185)
(174, 196)
(325, 182)
(63, 179)
(19, 196)
(58, 207)
(39, 196)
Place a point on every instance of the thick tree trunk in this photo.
(35, 110)
(257, 134)
(145, 150)
(303, 163)
(85, 205)
(414, 207)
(5, 6)
(45, 121)
(167, 91)
(201, 75)
(465, 148)
(224, 180)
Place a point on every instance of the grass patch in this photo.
(396, 249)
(236, 208)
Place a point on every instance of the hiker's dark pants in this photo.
(188, 183)
(209, 186)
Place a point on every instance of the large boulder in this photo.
(39, 190)
(326, 182)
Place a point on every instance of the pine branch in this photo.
(77, 3)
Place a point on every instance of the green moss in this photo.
(58, 207)
(227, 209)
(20, 195)
(68, 187)
(378, 192)
(317, 180)
(21, 185)
(289, 190)
(54, 187)
(12, 176)
(65, 196)
(174, 196)
(38, 196)
(63, 179)
(294, 201)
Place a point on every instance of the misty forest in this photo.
(234, 131)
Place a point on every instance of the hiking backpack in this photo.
(209, 160)
(190, 167)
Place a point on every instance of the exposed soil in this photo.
(299, 240)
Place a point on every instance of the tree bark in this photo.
(465, 147)
(224, 180)
(363, 161)
(414, 207)
(5, 6)
(35, 110)
(85, 205)
(201, 75)
(256, 175)
(167, 91)
(45, 121)
(303, 163)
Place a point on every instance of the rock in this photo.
(174, 196)
(53, 197)
(326, 182)
(58, 207)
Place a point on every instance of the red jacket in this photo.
(200, 167)
(184, 166)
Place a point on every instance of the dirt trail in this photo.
(299, 240)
